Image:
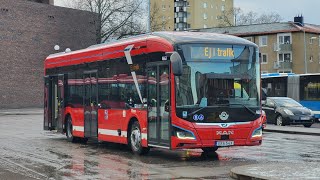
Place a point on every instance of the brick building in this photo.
(28, 33)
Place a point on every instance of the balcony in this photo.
(180, 20)
(282, 47)
(282, 65)
(181, 9)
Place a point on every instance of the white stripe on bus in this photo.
(110, 132)
(78, 128)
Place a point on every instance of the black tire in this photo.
(209, 149)
(134, 140)
(69, 134)
(69, 129)
(279, 121)
(307, 125)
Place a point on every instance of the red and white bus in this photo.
(174, 90)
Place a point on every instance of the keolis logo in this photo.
(230, 132)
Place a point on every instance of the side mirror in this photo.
(176, 63)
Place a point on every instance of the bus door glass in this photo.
(53, 102)
(90, 104)
(158, 104)
(59, 103)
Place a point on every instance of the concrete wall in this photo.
(28, 33)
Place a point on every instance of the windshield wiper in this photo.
(217, 105)
(250, 110)
(192, 113)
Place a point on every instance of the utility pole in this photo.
(148, 17)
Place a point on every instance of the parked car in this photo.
(285, 111)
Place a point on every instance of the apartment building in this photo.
(286, 47)
(180, 15)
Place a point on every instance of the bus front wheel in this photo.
(69, 133)
(210, 149)
(135, 140)
(69, 129)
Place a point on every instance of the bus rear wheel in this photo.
(135, 140)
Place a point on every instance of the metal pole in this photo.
(148, 18)
(305, 52)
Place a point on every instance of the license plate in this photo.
(305, 118)
(224, 143)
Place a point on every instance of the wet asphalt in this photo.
(28, 152)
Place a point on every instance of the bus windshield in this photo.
(218, 76)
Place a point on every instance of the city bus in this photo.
(304, 88)
(172, 90)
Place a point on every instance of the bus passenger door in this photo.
(60, 103)
(159, 123)
(90, 104)
(47, 103)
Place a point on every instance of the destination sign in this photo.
(211, 53)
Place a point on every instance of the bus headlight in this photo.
(183, 133)
(257, 132)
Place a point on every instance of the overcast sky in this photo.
(287, 9)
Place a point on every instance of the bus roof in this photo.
(177, 37)
(271, 75)
(173, 37)
(267, 75)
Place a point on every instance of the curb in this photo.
(8, 113)
(292, 132)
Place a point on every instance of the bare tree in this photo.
(236, 17)
(156, 21)
(117, 18)
(229, 17)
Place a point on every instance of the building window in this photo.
(248, 38)
(264, 58)
(311, 59)
(311, 39)
(163, 7)
(204, 26)
(222, 8)
(205, 5)
(205, 16)
(284, 38)
(284, 57)
(263, 41)
(163, 18)
(264, 72)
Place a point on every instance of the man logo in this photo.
(224, 116)
(230, 132)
